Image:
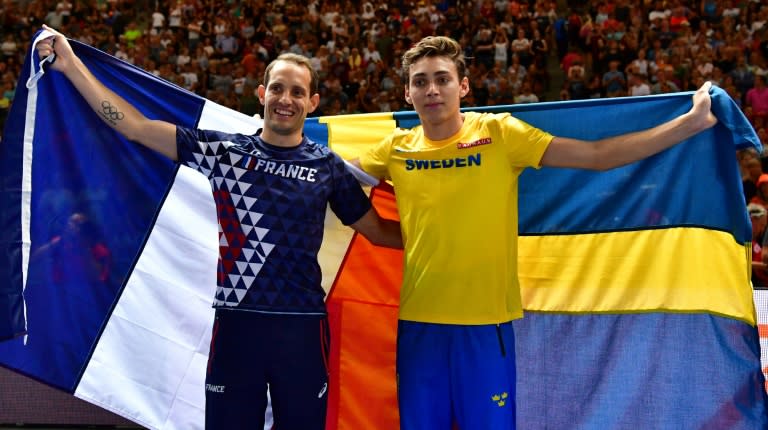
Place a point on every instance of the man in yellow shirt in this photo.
(456, 181)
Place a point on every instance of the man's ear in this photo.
(260, 92)
(408, 96)
(314, 102)
(464, 87)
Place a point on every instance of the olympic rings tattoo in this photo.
(110, 112)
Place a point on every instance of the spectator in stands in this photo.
(9, 48)
(526, 94)
(641, 65)
(757, 97)
(761, 194)
(55, 18)
(759, 217)
(573, 54)
(132, 33)
(663, 85)
(732, 91)
(638, 85)
(158, 20)
(373, 60)
(614, 81)
(560, 27)
(709, 11)
(540, 49)
(516, 69)
(227, 46)
(751, 169)
(594, 88)
(484, 47)
(501, 48)
(576, 80)
(522, 48)
(538, 77)
(743, 77)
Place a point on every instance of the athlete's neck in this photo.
(444, 129)
(285, 141)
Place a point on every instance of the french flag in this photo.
(114, 246)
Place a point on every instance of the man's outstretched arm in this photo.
(111, 108)
(627, 148)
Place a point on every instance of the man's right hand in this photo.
(59, 45)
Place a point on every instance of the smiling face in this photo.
(435, 91)
(287, 100)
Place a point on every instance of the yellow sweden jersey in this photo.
(457, 200)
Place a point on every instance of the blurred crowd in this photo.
(521, 51)
(219, 49)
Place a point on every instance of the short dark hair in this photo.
(289, 57)
(435, 46)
